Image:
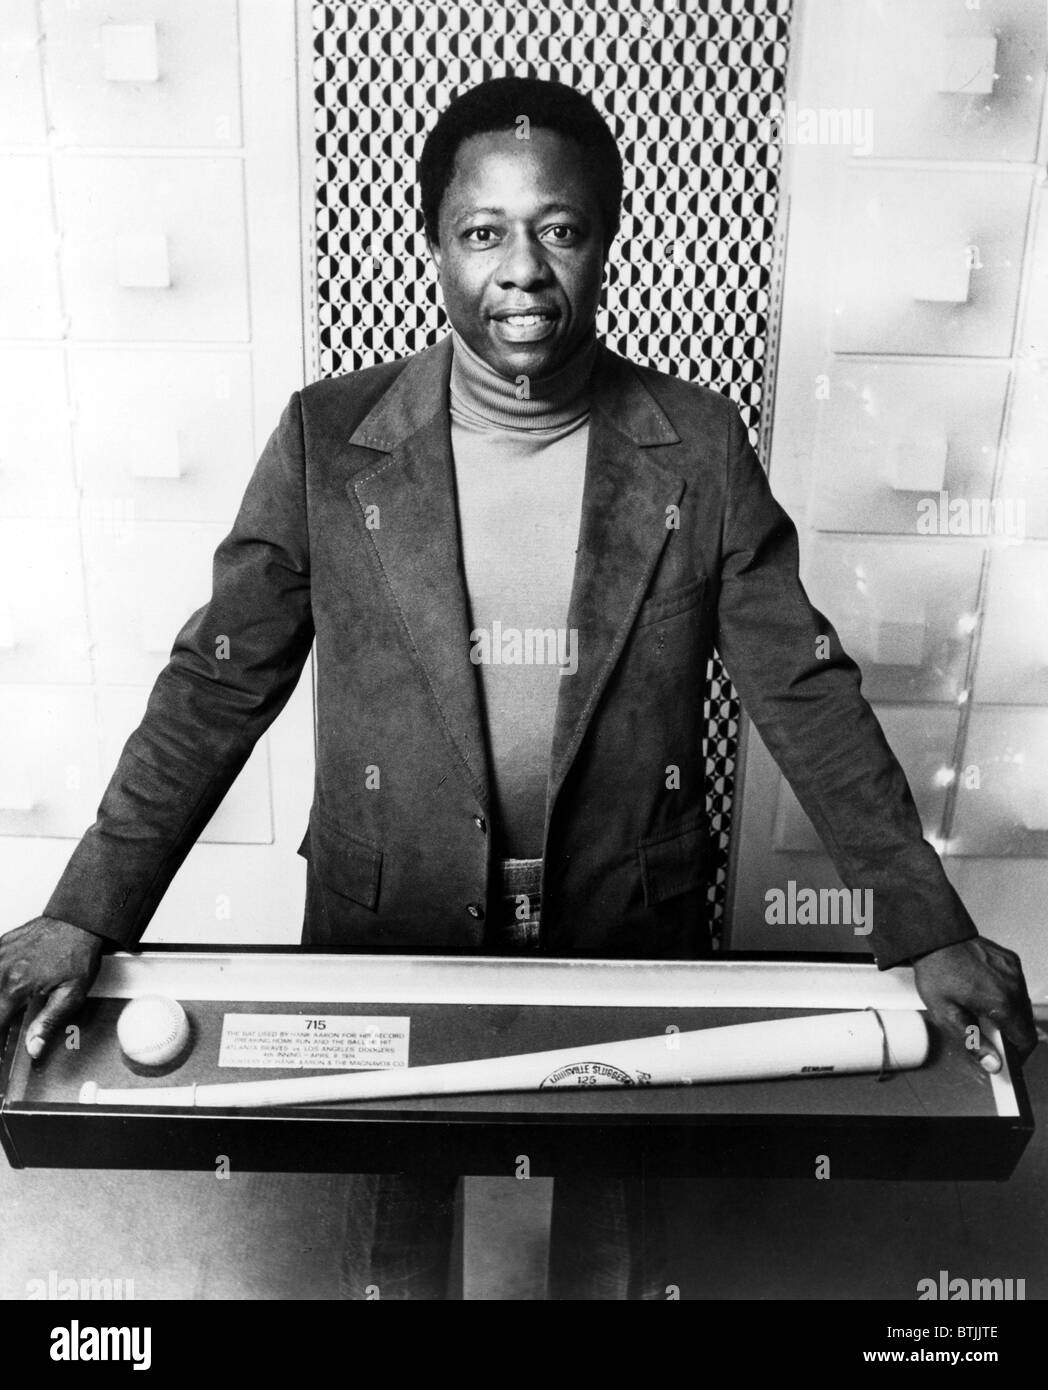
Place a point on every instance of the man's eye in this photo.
(561, 233)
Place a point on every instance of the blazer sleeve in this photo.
(231, 671)
(824, 736)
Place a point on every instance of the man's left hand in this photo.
(975, 980)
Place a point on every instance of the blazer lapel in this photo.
(412, 483)
(626, 493)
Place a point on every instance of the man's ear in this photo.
(433, 247)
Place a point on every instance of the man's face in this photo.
(520, 231)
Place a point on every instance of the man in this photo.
(515, 552)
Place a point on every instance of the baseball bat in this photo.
(825, 1044)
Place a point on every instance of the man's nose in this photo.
(523, 262)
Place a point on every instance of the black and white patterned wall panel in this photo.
(684, 85)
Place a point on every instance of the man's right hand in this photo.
(46, 956)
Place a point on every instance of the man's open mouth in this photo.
(526, 317)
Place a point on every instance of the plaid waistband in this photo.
(515, 928)
(520, 876)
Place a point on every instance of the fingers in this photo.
(1013, 1010)
(1017, 1024)
(46, 957)
(976, 980)
(15, 987)
(9, 1006)
(60, 1004)
(963, 1027)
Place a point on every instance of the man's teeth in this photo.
(525, 319)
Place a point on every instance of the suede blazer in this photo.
(347, 537)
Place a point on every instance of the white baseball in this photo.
(152, 1030)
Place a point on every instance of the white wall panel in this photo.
(904, 610)
(950, 80)
(144, 72)
(36, 460)
(30, 303)
(892, 434)
(144, 579)
(171, 431)
(44, 635)
(1002, 804)
(929, 261)
(23, 119)
(195, 205)
(50, 771)
(1013, 655)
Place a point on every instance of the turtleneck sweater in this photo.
(519, 471)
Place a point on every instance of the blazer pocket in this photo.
(674, 862)
(659, 607)
(342, 862)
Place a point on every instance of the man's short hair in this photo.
(498, 105)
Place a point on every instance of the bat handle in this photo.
(92, 1094)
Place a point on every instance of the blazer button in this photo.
(475, 910)
(480, 822)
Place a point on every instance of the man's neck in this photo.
(486, 397)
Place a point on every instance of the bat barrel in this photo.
(824, 1044)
